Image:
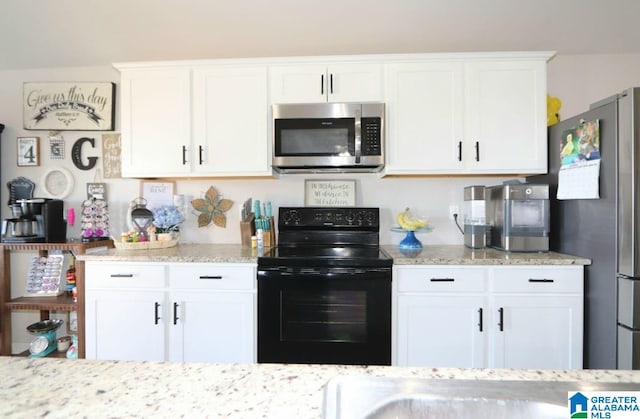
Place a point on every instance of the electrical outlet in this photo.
(453, 209)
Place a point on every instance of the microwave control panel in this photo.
(371, 138)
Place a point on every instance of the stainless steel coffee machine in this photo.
(35, 220)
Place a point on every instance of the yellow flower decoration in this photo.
(212, 208)
(553, 110)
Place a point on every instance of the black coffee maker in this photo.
(35, 220)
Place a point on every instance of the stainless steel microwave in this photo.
(328, 137)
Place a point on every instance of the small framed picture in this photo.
(330, 193)
(157, 193)
(28, 151)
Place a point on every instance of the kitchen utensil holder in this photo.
(247, 229)
(269, 237)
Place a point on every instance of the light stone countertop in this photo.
(462, 255)
(187, 252)
(428, 255)
(61, 388)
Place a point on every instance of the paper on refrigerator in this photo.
(579, 174)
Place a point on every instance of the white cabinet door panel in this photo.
(506, 117)
(540, 332)
(231, 135)
(298, 83)
(440, 331)
(355, 82)
(122, 325)
(425, 118)
(213, 327)
(156, 122)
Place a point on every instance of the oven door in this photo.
(324, 315)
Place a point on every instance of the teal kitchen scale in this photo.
(45, 337)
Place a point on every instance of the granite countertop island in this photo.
(61, 388)
(428, 255)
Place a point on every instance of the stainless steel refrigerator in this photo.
(606, 230)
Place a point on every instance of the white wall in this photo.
(577, 80)
(580, 80)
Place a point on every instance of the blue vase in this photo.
(410, 241)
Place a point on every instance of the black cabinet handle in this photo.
(211, 277)
(157, 315)
(501, 322)
(322, 84)
(480, 319)
(175, 313)
(200, 154)
(542, 280)
(477, 151)
(459, 150)
(331, 83)
(442, 279)
(121, 275)
(184, 155)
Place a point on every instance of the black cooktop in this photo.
(313, 236)
(351, 256)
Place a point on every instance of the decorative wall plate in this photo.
(57, 183)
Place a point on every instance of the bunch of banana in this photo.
(409, 221)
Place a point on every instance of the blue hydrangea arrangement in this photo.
(167, 218)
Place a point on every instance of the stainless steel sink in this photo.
(355, 397)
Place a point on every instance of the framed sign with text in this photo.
(69, 106)
(28, 151)
(157, 193)
(330, 193)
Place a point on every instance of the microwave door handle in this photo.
(358, 135)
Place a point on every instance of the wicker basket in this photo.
(145, 245)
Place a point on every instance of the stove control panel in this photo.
(328, 217)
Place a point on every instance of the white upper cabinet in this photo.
(506, 117)
(156, 121)
(467, 116)
(230, 116)
(338, 82)
(193, 120)
(424, 117)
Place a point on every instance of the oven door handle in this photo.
(287, 272)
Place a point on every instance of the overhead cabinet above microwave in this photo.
(339, 82)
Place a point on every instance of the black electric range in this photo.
(324, 292)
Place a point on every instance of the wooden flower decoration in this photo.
(212, 208)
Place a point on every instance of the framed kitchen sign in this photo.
(28, 151)
(330, 193)
(69, 106)
(157, 193)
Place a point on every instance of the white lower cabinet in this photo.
(496, 317)
(539, 317)
(179, 312)
(213, 313)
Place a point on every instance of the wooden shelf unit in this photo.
(43, 304)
